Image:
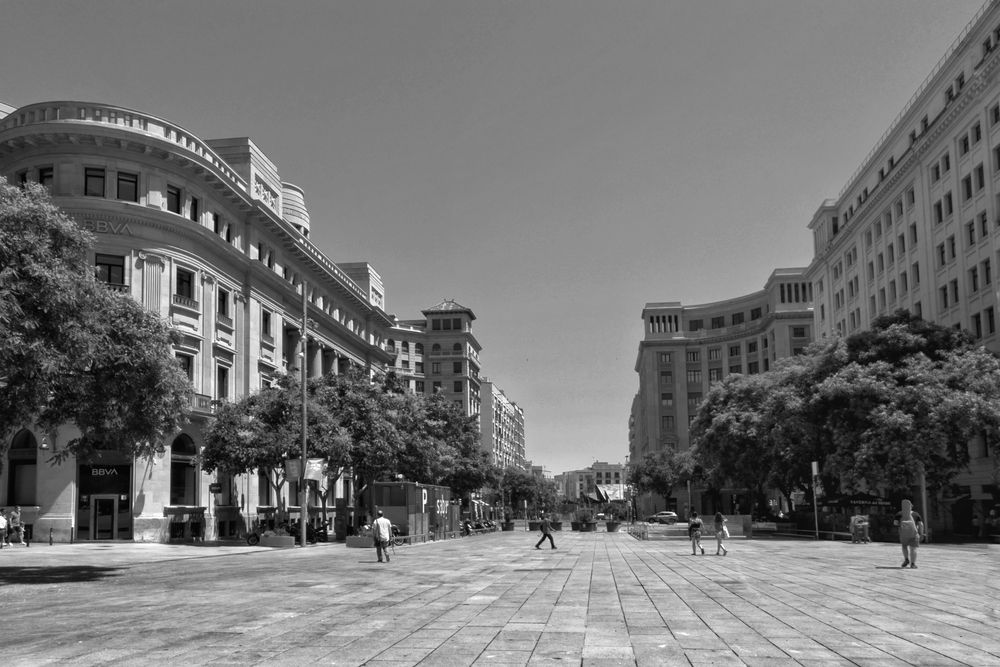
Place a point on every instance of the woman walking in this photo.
(694, 532)
(721, 532)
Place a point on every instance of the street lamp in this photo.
(303, 491)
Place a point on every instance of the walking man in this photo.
(382, 533)
(546, 532)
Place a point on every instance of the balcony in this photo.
(201, 404)
(185, 302)
(114, 287)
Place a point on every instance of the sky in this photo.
(553, 165)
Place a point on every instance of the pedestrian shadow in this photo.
(10, 576)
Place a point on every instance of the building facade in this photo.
(502, 428)
(917, 227)
(439, 355)
(686, 349)
(205, 234)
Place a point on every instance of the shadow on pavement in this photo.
(55, 575)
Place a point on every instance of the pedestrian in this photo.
(911, 529)
(3, 527)
(721, 533)
(859, 527)
(694, 532)
(15, 526)
(382, 533)
(546, 527)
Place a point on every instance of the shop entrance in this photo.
(103, 508)
(104, 517)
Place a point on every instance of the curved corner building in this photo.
(204, 233)
(685, 349)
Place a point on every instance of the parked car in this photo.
(668, 518)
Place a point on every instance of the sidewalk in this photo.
(599, 599)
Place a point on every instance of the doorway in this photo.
(104, 517)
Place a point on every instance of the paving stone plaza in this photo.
(599, 599)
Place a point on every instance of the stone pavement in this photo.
(599, 599)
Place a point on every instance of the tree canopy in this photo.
(72, 351)
(877, 410)
(660, 472)
(377, 430)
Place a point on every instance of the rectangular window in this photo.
(714, 374)
(456, 367)
(186, 363)
(195, 209)
(991, 325)
(693, 356)
(755, 313)
(265, 323)
(666, 378)
(695, 325)
(974, 279)
(694, 376)
(734, 350)
(436, 387)
(987, 272)
(664, 357)
(714, 353)
(970, 233)
(752, 347)
(435, 368)
(185, 284)
(737, 318)
(111, 269)
(693, 401)
(93, 182)
(457, 387)
(666, 400)
(420, 386)
(173, 199)
(753, 367)
(798, 332)
(223, 305)
(222, 383)
(128, 186)
(736, 368)
(46, 176)
(718, 322)
(667, 423)
(915, 269)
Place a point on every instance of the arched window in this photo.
(22, 476)
(183, 471)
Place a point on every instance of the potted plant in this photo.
(585, 518)
(508, 522)
(614, 520)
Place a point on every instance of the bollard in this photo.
(50, 537)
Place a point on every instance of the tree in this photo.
(261, 431)
(72, 352)
(660, 472)
(731, 434)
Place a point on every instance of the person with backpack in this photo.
(546, 527)
(694, 532)
(911, 530)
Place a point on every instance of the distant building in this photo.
(502, 428)
(686, 349)
(439, 355)
(591, 483)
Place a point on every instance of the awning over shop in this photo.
(862, 499)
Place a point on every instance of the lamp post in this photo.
(303, 490)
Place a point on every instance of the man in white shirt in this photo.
(3, 527)
(382, 533)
